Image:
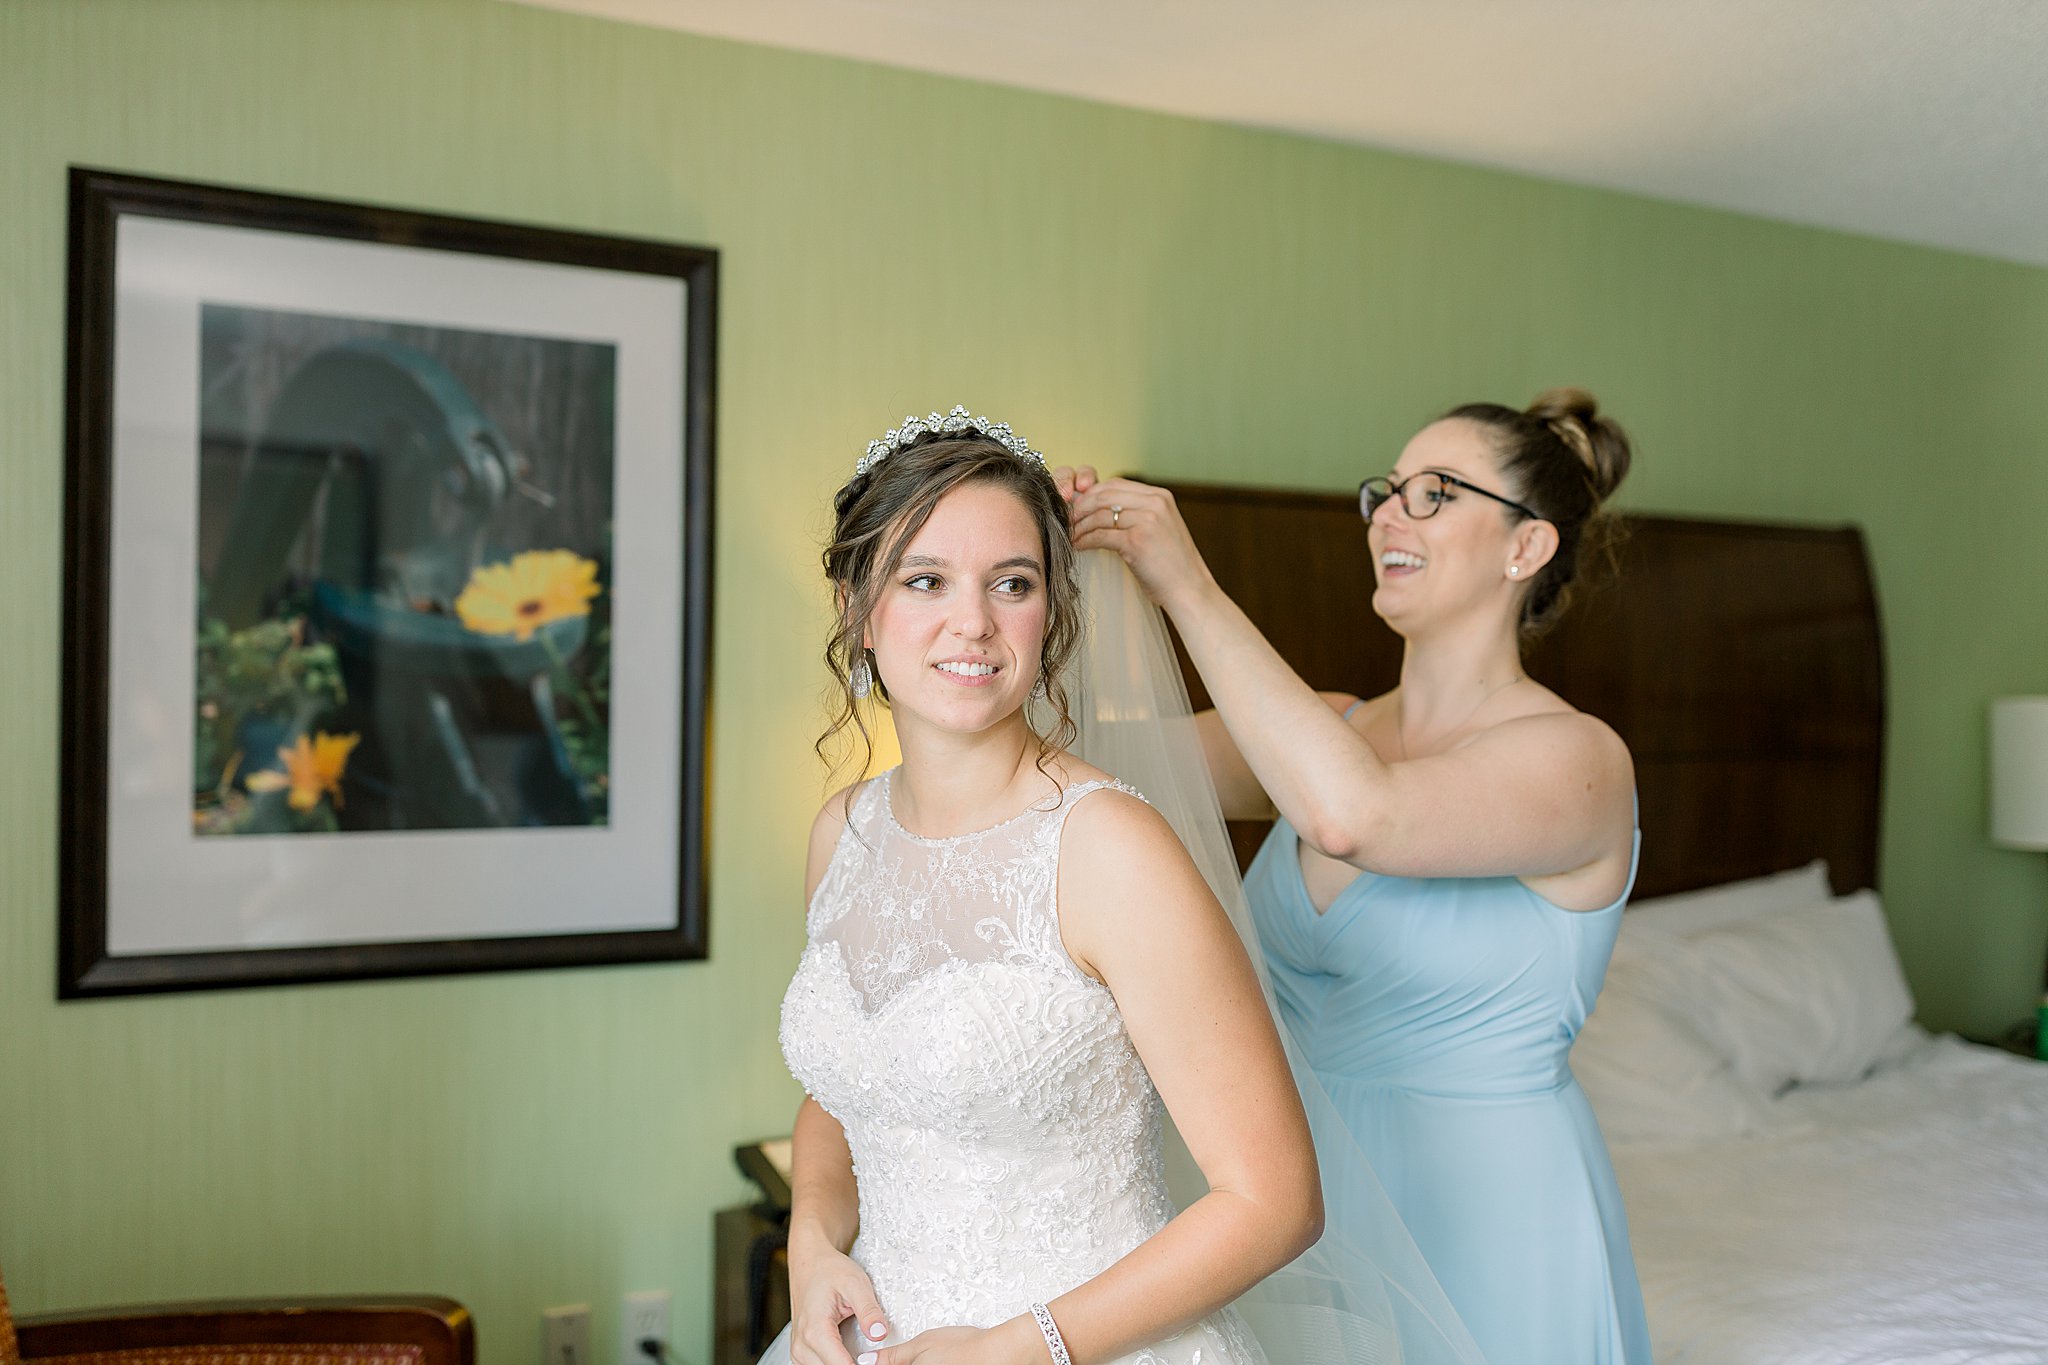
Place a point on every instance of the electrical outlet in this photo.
(645, 1315)
(565, 1335)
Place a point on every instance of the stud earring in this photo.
(1514, 571)
(860, 679)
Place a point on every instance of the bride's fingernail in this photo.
(864, 1358)
(878, 1330)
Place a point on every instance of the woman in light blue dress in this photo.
(1441, 892)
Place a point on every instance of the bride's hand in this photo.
(1141, 523)
(1016, 1342)
(826, 1288)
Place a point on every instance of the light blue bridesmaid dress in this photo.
(1439, 1013)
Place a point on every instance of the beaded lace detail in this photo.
(1005, 1136)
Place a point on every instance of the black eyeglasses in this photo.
(1423, 495)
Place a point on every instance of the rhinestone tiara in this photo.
(954, 423)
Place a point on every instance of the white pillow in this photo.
(1695, 912)
(1810, 995)
(1650, 1077)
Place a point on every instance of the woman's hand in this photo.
(1141, 523)
(826, 1288)
(1016, 1342)
(1073, 480)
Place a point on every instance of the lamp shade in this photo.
(2019, 772)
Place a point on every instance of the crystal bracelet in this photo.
(1051, 1330)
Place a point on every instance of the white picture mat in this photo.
(169, 890)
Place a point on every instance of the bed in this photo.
(1902, 1218)
(1809, 1176)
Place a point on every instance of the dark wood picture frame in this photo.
(99, 201)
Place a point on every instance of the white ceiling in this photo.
(1918, 120)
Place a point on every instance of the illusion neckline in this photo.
(888, 784)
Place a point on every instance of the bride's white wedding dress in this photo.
(1006, 1139)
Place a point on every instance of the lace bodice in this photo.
(899, 907)
(1005, 1135)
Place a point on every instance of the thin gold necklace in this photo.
(1401, 712)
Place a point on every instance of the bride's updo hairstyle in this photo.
(875, 517)
(1560, 457)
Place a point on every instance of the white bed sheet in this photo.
(1901, 1219)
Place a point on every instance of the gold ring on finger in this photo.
(1116, 518)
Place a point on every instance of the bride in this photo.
(1010, 966)
(1016, 978)
(982, 1017)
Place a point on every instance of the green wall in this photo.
(1130, 289)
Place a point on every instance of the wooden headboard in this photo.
(1742, 662)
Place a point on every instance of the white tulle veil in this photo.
(1362, 1295)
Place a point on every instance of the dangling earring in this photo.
(860, 679)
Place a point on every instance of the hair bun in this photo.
(1599, 442)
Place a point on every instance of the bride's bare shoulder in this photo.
(826, 827)
(1071, 770)
(1114, 841)
(831, 816)
(1114, 831)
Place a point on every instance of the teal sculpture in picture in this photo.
(378, 468)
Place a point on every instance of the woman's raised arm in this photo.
(1540, 796)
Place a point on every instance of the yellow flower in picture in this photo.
(532, 590)
(312, 769)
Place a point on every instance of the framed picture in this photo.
(387, 608)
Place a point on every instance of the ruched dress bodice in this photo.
(1006, 1138)
(1439, 1013)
